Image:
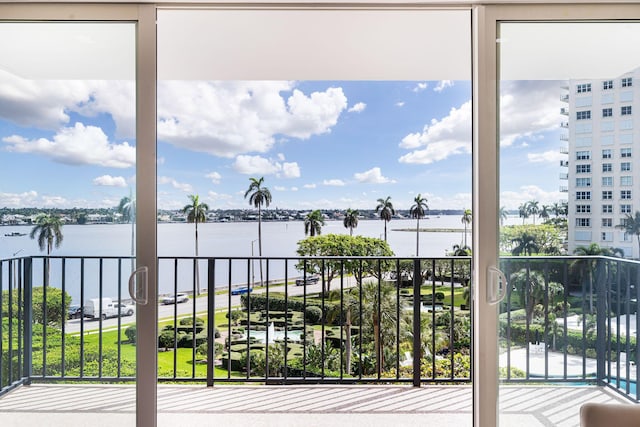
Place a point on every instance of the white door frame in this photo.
(146, 216)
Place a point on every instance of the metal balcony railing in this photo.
(321, 320)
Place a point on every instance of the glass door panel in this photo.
(568, 136)
(68, 184)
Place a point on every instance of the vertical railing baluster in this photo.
(211, 325)
(229, 320)
(27, 315)
(63, 312)
(286, 312)
(119, 356)
(266, 355)
(398, 320)
(195, 290)
(380, 354)
(343, 322)
(45, 273)
(417, 347)
(82, 318)
(360, 317)
(175, 317)
(102, 316)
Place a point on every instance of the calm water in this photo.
(215, 239)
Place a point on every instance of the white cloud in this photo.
(257, 165)
(357, 108)
(163, 180)
(372, 176)
(513, 199)
(280, 188)
(294, 188)
(442, 85)
(110, 181)
(333, 182)
(281, 157)
(46, 104)
(309, 186)
(78, 145)
(231, 118)
(291, 170)
(219, 196)
(400, 104)
(215, 177)
(441, 138)
(19, 200)
(420, 87)
(551, 156)
(528, 108)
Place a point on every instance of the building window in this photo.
(607, 236)
(583, 208)
(583, 182)
(625, 194)
(627, 82)
(626, 181)
(625, 152)
(607, 153)
(584, 88)
(583, 195)
(583, 168)
(607, 208)
(583, 222)
(625, 111)
(625, 166)
(607, 112)
(625, 209)
(607, 167)
(607, 222)
(583, 115)
(607, 181)
(583, 155)
(607, 84)
(607, 195)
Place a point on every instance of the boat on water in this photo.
(15, 234)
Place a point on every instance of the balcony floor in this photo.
(288, 406)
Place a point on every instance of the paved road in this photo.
(168, 311)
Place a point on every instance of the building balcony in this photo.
(564, 163)
(564, 98)
(564, 111)
(564, 189)
(564, 176)
(564, 137)
(564, 149)
(564, 125)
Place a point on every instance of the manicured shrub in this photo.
(313, 314)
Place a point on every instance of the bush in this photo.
(313, 314)
(166, 339)
(131, 333)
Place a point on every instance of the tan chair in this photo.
(609, 415)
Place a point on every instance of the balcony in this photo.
(563, 189)
(564, 137)
(564, 111)
(564, 163)
(547, 336)
(564, 149)
(564, 176)
(564, 98)
(564, 125)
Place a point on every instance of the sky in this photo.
(318, 144)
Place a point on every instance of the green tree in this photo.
(48, 230)
(386, 211)
(533, 209)
(526, 244)
(503, 215)
(631, 225)
(544, 212)
(196, 212)
(418, 210)
(523, 212)
(258, 196)
(532, 289)
(351, 220)
(127, 207)
(313, 223)
(593, 249)
(466, 220)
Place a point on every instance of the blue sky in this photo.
(318, 144)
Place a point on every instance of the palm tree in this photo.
(532, 209)
(503, 215)
(127, 207)
(313, 223)
(593, 249)
(525, 244)
(631, 225)
(556, 208)
(351, 220)
(544, 212)
(523, 212)
(466, 220)
(386, 211)
(258, 196)
(417, 211)
(48, 230)
(196, 212)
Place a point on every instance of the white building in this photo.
(603, 168)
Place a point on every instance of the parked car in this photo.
(175, 299)
(309, 280)
(240, 291)
(74, 312)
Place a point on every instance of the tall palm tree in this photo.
(544, 212)
(351, 220)
(631, 225)
(258, 196)
(523, 212)
(313, 223)
(466, 220)
(127, 207)
(417, 211)
(196, 212)
(386, 211)
(533, 209)
(556, 208)
(48, 230)
(503, 215)
(593, 249)
(526, 244)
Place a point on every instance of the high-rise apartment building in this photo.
(603, 167)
